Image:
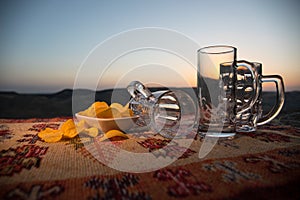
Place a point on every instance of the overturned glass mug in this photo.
(171, 113)
(229, 93)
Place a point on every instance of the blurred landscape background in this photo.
(15, 105)
(44, 43)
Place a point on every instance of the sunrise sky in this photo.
(43, 43)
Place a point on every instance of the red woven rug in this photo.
(260, 165)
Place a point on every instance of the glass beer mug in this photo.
(216, 91)
(248, 119)
(171, 113)
(229, 93)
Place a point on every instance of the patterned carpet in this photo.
(260, 165)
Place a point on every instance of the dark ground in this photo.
(14, 105)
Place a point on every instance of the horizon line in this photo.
(105, 89)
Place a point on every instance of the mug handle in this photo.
(279, 98)
(255, 86)
(136, 87)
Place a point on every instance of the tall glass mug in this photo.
(248, 119)
(216, 91)
(230, 93)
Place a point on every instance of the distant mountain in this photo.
(14, 105)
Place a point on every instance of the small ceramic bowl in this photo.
(106, 124)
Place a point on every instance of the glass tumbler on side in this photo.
(171, 113)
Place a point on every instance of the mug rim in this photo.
(229, 48)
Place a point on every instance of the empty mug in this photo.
(171, 113)
(216, 90)
(248, 119)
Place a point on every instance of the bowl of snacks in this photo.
(105, 117)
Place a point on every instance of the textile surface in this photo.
(264, 164)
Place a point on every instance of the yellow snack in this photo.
(117, 106)
(50, 135)
(90, 112)
(113, 133)
(93, 131)
(68, 128)
(126, 106)
(127, 113)
(109, 113)
(96, 107)
(81, 126)
(100, 104)
(102, 110)
(70, 133)
(45, 132)
(69, 124)
(54, 137)
(84, 113)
